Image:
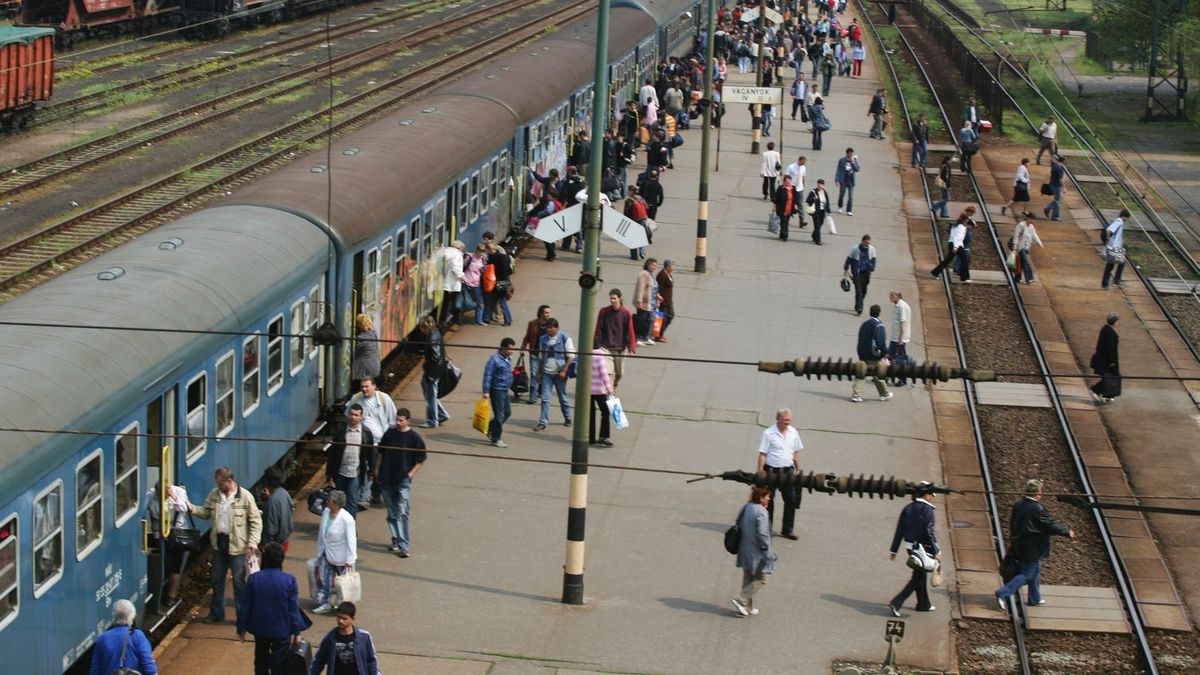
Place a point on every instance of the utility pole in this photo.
(705, 137)
(756, 123)
(589, 278)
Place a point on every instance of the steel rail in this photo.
(1121, 575)
(959, 347)
(161, 197)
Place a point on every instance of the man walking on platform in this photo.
(797, 172)
(1048, 138)
(779, 453)
(350, 455)
(270, 611)
(379, 414)
(534, 331)
(497, 380)
(1030, 529)
(236, 531)
(556, 352)
(872, 347)
(1058, 170)
(859, 265)
(845, 178)
(402, 454)
(615, 333)
(901, 330)
(877, 110)
(818, 207)
(666, 291)
(915, 528)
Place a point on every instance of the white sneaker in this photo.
(323, 608)
(887, 397)
(753, 611)
(1003, 605)
(839, 209)
(741, 609)
(1035, 604)
(849, 213)
(856, 399)
(648, 343)
(500, 444)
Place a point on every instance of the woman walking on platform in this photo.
(1023, 239)
(941, 208)
(820, 123)
(754, 555)
(785, 206)
(1106, 362)
(1020, 187)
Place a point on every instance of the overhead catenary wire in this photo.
(646, 357)
(533, 460)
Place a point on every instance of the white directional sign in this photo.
(628, 232)
(763, 95)
(560, 225)
(752, 15)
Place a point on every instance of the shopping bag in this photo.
(347, 587)
(520, 383)
(311, 568)
(832, 225)
(488, 279)
(773, 223)
(252, 565)
(658, 325)
(1011, 260)
(936, 579)
(619, 419)
(483, 416)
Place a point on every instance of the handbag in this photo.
(733, 539)
(520, 383)
(317, 499)
(482, 417)
(1047, 190)
(845, 282)
(778, 166)
(121, 669)
(347, 587)
(919, 559)
(451, 375)
(937, 579)
(1115, 255)
(187, 539)
(619, 419)
(1010, 566)
(463, 302)
(940, 183)
(773, 223)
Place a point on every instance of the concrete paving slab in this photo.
(1012, 394)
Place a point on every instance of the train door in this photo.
(160, 472)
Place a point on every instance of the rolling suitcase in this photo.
(298, 659)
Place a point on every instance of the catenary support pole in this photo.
(756, 123)
(706, 138)
(589, 277)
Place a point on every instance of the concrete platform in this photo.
(1078, 608)
(485, 578)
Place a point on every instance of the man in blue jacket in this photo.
(123, 646)
(270, 611)
(845, 178)
(859, 265)
(347, 648)
(915, 528)
(872, 347)
(497, 379)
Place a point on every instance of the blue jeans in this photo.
(435, 412)
(350, 487)
(492, 299)
(920, 151)
(222, 564)
(326, 571)
(535, 382)
(477, 294)
(848, 192)
(942, 207)
(877, 126)
(501, 411)
(560, 385)
(396, 496)
(1052, 209)
(826, 84)
(1026, 265)
(766, 123)
(1031, 573)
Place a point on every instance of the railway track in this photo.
(201, 70)
(70, 160)
(1031, 652)
(31, 260)
(1162, 245)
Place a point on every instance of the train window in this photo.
(370, 291)
(128, 488)
(89, 506)
(385, 258)
(495, 179)
(485, 187)
(475, 196)
(414, 239)
(47, 539)
(274, 355)
(464, 205)
(250, 377)
(401, 249)
(197, 416)
(427, 232)
(441, 215)
(504, 165)
(296, 340)
(314, 311)
(10, 595)
(225, 394)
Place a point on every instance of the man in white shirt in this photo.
(958, 237)
(452, 278)
(648, 95)
(1048, 135)
(379, 415)
(769, 171)
(779, 453)
(353, 443)
(1114, 250)
(797, 171)
(901, 330)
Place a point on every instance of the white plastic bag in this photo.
(619, 419)
(832, 225)
(311, 568)
(347, 587)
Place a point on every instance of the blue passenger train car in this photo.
(189, 348)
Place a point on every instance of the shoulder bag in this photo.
(1047, 190)
(187, 539)
(733, 536)
(919, 559)
(451, 374)
(121, 669)
(940, 183)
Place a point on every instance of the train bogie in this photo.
(26, 73)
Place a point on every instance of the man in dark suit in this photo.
(915, 528)
(270, 612)
(1030, 529)
(351, 455)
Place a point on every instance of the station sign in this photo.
(560, 225)
(894, 629)
(629, 233)
(752, 15)
(761, 95)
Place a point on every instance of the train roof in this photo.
(663, 11)
(26, 34)
(213, 270)
(370, 180)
